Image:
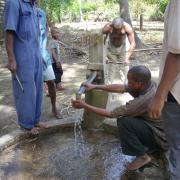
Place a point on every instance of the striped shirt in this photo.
(139, 107)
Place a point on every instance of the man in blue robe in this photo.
(24, 61)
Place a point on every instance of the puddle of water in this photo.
(55, 157)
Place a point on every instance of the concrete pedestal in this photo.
(99, 99)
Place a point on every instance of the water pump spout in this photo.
(82, 88)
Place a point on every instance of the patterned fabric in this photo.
(138, 108)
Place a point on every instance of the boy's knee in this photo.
(124, 122)
(61, 73)
(121, 122)
(50, 83)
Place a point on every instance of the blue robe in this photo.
(21, 17)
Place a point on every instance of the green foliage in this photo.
(156, 15)
(111, 1)
(138, 7)
(86, 7)
(162, 5)
(159, 10)
(56, 8)
(69, 10)
(151, 9)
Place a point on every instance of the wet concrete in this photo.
(21, 134)
(55, 156)
(156, 170)
(98, 156)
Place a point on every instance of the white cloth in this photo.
(171, 111)
(172, 41)
(48, 74)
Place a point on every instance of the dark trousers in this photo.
(58, 72)
(136, 136)
(171, 116)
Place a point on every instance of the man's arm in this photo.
(170, 72)
(117, 88)
(131, 39)
(55, 51)
(58, 62)
(135, 107)
(78, 104)
(172, 61)
(10, 51)
(11, 19)
(107, 29)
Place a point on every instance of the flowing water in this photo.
(55, 157)
(78, 133)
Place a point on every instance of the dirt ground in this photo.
(74, 74)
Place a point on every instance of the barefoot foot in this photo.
(57, 115)
(139, 162)
(60, 89)
(41, 125)
(33, 131)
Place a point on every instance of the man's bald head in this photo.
(118, 23)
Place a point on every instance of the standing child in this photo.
(48, 73)
(56, 59)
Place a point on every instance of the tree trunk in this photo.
(124, 13)
(2, 3)
(59, 15)
(141, 22)
(80, 11)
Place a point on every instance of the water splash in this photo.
(79, 142)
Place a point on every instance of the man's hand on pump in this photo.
(88, 86)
